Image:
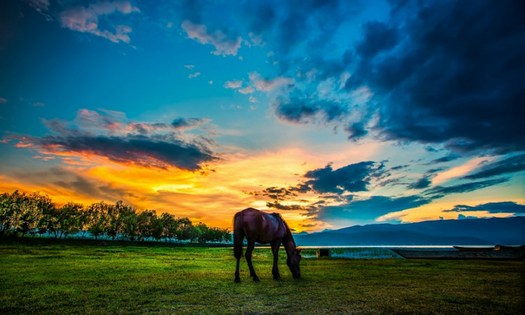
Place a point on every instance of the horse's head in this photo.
(293, 263)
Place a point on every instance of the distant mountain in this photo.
(506, 231)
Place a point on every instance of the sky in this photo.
(332, 113)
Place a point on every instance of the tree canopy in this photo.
(30, 214)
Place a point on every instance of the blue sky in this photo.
(331, 112)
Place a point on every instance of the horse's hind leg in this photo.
(249, 250)
(275, 252)
(237, 251)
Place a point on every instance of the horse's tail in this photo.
(238, 235)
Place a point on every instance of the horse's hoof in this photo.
(237, 280)
(277, 278)
(256, 280)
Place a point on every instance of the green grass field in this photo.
(59, 278)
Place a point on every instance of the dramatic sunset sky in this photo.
(332, 113)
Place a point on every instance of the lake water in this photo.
(363, 252)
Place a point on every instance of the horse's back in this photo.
(258, 225)
(247, 221)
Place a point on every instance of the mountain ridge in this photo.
(492, 231)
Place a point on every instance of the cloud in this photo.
(430, 72)
(108, 135)
(441, 191)
(233, 84)
(447, 72)
(138, 150)
(371, 208)
(351, 178)
(69, 182)
(356, 130)
(194, 75)
(42, 7)
(188, 123)
(247, 90)
(223, 45)
(506, 166)
(491, 207)
(39, 5)
(86, 19)
(304, 110)
(289, 207)
(446, 158)
(268, 85)
(324, 187)
(423, 182)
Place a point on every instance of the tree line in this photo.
(31, 214)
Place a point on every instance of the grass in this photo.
(67, 277)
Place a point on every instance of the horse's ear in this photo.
(298, 250)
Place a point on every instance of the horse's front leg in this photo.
(249, 250)
(275, 252)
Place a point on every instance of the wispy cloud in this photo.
(504, 166)
(235, 84)
(194, 75)
(267, 85)
(223, 44)
(492, 207)
(460, 170)
(441, 191)
(86, 19)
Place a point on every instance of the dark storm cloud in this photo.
(378, 37)
(351, 178)
(423, 182)
(446, 158)
(372, 208)
(304, 110)
(448, 71)
(138, 150)
(492, 207)
(291, 24)
(440, 191)
(440, 72)
(332, 186)
(506, 166)
(356, 131)
(186, 122)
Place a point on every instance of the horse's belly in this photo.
(264, 240)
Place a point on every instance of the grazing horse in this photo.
(261, 227)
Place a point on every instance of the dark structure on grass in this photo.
(264, 228)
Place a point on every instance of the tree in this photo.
(27, 211)
(71, 218)
(97, 219)
(6, 211)
(23, 213)
(147, 223)
(115, 224)
(185, 229)
(129, 221)
(170, 225)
